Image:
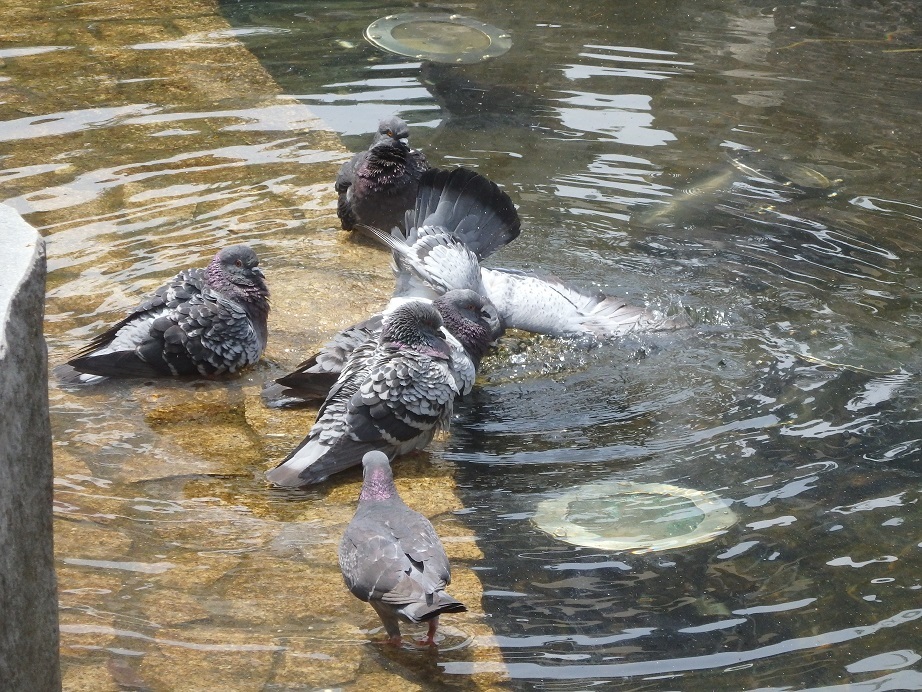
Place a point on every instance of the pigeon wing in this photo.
(371, 560)
(377, 567)
(546, 305)
(135, 345)
(419, 541)
(208, 334)
(404, 400)
(430, 262)
(327, 448)
(312, 380)
(346, 175)
(344, 181)
(166, 298)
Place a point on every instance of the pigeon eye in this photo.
(238, 263)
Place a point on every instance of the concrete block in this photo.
(28, 588)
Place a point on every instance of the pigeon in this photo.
(396, 389)
(206, 322)
(392, 558)
(377, 186)
(311, 381)
(460, 219)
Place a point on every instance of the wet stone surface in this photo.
(138, 145)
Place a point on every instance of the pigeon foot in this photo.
(430, 634)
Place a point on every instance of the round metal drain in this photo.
(445, 38)
(635, 517)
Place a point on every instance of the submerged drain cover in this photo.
(448, 38)
(638, 517)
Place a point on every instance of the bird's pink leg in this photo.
(430, 635)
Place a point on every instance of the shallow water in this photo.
(753, 164)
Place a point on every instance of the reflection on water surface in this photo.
(753, 163)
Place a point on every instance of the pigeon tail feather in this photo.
(308, 382)
(386, 239)
(441, 603)
(313, 379)
(467, 205)
(312, 462)
(303, 389)
(285, 477)
(116, 364)
(68, 375)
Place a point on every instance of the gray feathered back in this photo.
(391, 557)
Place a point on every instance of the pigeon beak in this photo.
(493, 320)
(258, 272)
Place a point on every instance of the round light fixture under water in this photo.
(635, 517)
(446, 38)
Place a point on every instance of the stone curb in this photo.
(28, 588)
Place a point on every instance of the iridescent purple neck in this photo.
(475, 337)
(390, 150)
(214, 274)
(378, 484)
(250, 290)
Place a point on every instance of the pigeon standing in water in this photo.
(391, 557)
(206, 322)
(397, 389)
(377, 186)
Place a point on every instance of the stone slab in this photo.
(28, 590)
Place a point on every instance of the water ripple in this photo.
(114, 632)
(711, 661)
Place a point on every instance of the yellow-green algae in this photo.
(178, 567)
